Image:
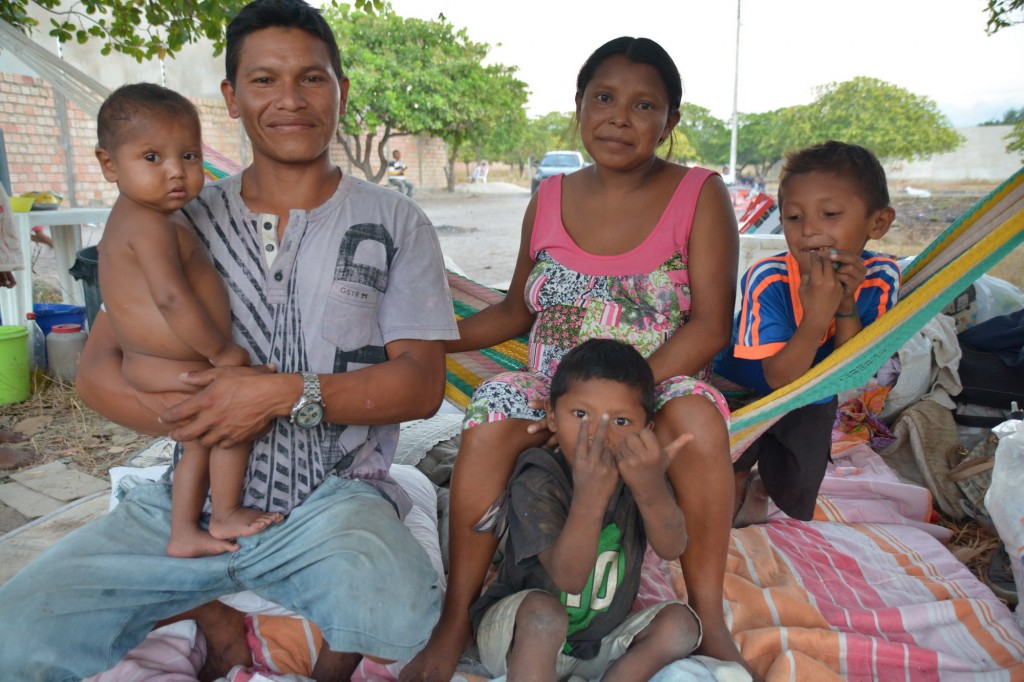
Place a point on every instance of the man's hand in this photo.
(235, 405)
(7, 280)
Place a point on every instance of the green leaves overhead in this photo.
(418, 77)
(142, 29)
(891, 121)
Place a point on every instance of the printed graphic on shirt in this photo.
(605, 578)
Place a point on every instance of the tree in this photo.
(417, 77)
(142, 29)
(1016, 139)
(706, 135)
(892, 122)
(1011, 117)
(1004, 13)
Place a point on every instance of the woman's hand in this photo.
(541, 425)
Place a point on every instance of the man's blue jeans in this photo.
(342, 558)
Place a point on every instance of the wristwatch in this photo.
(308, 410)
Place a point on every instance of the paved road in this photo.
(478, 226)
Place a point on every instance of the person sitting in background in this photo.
(480, 172)
(396, 174)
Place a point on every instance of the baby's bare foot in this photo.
(240, 522)
(189, 544)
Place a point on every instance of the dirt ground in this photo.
(478, 227)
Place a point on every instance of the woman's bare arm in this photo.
(712, 261)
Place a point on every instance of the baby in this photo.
(165, 301)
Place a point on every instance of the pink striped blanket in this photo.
(869, 592)
(866, 591)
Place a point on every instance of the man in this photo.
(340, 286)
(396, 174)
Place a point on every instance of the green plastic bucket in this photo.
(14, 386)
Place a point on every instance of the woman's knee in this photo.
(497, 443)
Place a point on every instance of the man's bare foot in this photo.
(754, 507)
(718, 643)
(187, 544)
(437, 661)
(240, 522)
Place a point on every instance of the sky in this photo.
(934, 48)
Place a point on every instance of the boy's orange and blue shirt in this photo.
(770, 312)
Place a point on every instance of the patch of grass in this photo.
(61, 427)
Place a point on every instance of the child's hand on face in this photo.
(821, 291)
(594, 475)
(233, 355)
(850, 269)
(642, 462)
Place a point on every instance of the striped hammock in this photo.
(956, 258)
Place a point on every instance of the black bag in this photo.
(991, 370)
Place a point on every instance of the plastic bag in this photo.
(996, 297)
(1004, 500)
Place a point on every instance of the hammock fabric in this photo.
(947, 266)
(468, 370)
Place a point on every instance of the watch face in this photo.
(309, 415)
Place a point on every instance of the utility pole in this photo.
(733, 175)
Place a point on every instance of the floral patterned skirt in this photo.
(507, 396)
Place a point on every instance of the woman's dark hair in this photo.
(605, 359)
(128, 101)
(638, 51)
(842, 159)
(261, 14)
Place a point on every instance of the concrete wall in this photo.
(983, 156)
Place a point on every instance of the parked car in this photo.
(554, 163)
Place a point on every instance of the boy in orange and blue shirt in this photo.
(799, 306)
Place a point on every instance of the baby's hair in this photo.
(849, 161)
(605, 359)
(261, 14)
(129, 101)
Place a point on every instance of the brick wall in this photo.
(32, 133)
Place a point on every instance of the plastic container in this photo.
(86, 271)
(50, 314)
(36, 344)
(14, 384)
(63, 348)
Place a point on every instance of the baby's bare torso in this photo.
(154, 356)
